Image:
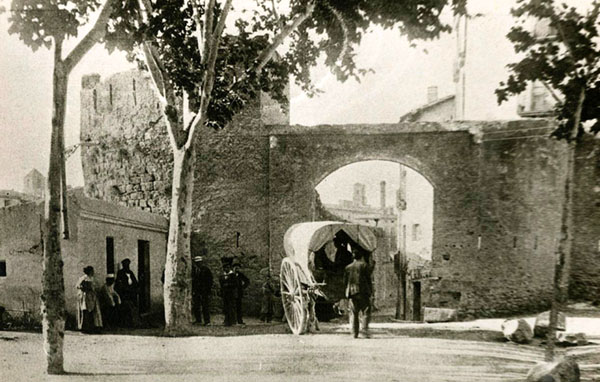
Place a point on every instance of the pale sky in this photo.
(402, 75)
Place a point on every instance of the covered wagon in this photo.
(316, 254)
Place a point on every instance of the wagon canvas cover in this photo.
(303, 238)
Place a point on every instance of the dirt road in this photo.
(323, 357)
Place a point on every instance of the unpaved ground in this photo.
(327, 356)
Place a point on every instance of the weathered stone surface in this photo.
(565, 370)
(542, 321)
(571, 339)
(584, 282)
(518, 331)
(439, 315)
(497, 195)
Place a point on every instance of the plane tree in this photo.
(209, 58)
(566, 60)
(49, 24)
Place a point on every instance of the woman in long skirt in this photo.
(89, 318)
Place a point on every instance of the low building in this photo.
(10, 198)
(101, 235)
(435, 110)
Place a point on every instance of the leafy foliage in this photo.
(334, 29)
(566, 59)
(37, 22)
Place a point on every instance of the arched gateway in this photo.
(498, 188)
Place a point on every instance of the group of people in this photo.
(232, 282)
(115, 303)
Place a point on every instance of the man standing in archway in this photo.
(357, 279)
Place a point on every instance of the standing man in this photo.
(242, 283)
(357, 279)
(126, 286)
(202, 282)
(228, 284)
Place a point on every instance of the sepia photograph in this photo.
(300, 190)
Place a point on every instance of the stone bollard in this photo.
(571, 339)
(517, 331)
(439, 315)
(565, 370)
(542, 321)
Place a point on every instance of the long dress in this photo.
(89, 318)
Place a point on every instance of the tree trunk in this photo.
(53, 289)
(562, 265)
(563, 260)
(178, 268)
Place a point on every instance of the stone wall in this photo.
(125, 146)
(585, 264)
(497, 198)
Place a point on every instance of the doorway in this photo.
(417, 301)
(144, 275)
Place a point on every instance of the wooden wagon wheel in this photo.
(294, 302)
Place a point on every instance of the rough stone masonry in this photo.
(497, 200)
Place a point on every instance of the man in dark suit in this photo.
(242, 283)
(357, 279)
(202, 282)
(228, 284)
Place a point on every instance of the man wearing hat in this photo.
(202, 282)
(126, 286)
(228, 285)
(241, 282)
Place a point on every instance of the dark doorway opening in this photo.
(110, 255)
(417, 301)
(144, 275)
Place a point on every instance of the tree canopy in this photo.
(566, 60)
(334, 29)
(37, 22)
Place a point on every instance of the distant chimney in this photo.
(432, 94)
(359, 197)
(382, 194)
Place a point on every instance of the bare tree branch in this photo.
(552, 92)
(209, 74)
(155, 70)
(91, 38)
(268, 53)
(208, 28)
(165, 90)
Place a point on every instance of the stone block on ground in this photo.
(439, 315)
(542, 322)
(571, 339)
(565, 370)
(518, 331)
